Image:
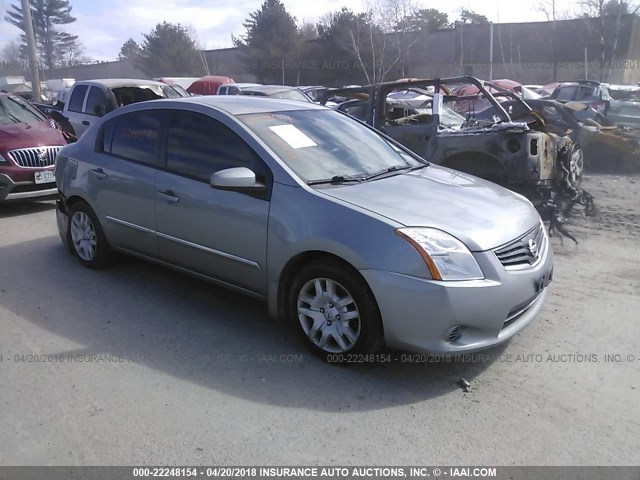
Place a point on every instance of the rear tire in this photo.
(86, 237)
(334, 311)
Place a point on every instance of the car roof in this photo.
(243, 104)
(267, 89)
(580, 82)
(122, 82)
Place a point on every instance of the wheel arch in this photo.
(289, 270)
(73, 199)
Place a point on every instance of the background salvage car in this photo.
(513, 154)
(29, 143)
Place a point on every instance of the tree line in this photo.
(374, 41)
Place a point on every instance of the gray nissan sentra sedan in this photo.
(347, 235)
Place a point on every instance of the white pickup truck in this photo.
(89, 100)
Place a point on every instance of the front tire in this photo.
(334, 310)
(86, 237)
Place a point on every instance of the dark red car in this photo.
(208, 85)
(29, 143)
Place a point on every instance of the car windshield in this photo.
(15, 110)
(322, 144)
(170, 91)
(293, 94)
(180, 90)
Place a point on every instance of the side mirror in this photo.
(240, 179)
(100, 110)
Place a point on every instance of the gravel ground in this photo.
(204, 377)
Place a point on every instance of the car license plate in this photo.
(46, 176)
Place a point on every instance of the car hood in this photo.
(33, 134)
(479, 213)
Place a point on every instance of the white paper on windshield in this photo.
(293, 136)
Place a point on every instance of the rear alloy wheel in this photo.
(86, 237)
(334, 310)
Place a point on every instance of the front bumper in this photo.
(427, 316)
(25, 190)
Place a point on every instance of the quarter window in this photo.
(77, 98)
(198, 146)
(136, 136)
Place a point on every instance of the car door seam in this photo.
(230, 256)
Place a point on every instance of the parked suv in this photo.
(29, 143)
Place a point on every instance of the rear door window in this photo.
(135, 136)
(77, 98)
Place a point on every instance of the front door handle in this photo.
(84, 122)
(99, 173)
(169, 196)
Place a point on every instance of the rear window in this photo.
(136, 136)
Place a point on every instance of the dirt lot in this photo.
(204, 377)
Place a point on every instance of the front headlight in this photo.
(446, 257)
(2, 159)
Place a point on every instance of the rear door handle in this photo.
(99, 173)
(169, 196)
(85, 122)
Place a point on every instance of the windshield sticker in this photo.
(293, 136)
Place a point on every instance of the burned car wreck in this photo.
(605, 147)
(515, 154)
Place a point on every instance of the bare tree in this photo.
(73, 55)
(363, 38)
(393, 16)
(550, 9)
(595, 13)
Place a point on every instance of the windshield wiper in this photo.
(336, 180)
(395, 168)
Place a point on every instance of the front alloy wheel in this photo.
(328, 315)
(334, 310)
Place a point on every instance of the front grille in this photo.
(37, 157)
(524, 250)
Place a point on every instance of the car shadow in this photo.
(16, 209)
(202, 333)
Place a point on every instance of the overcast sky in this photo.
(104, 25)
